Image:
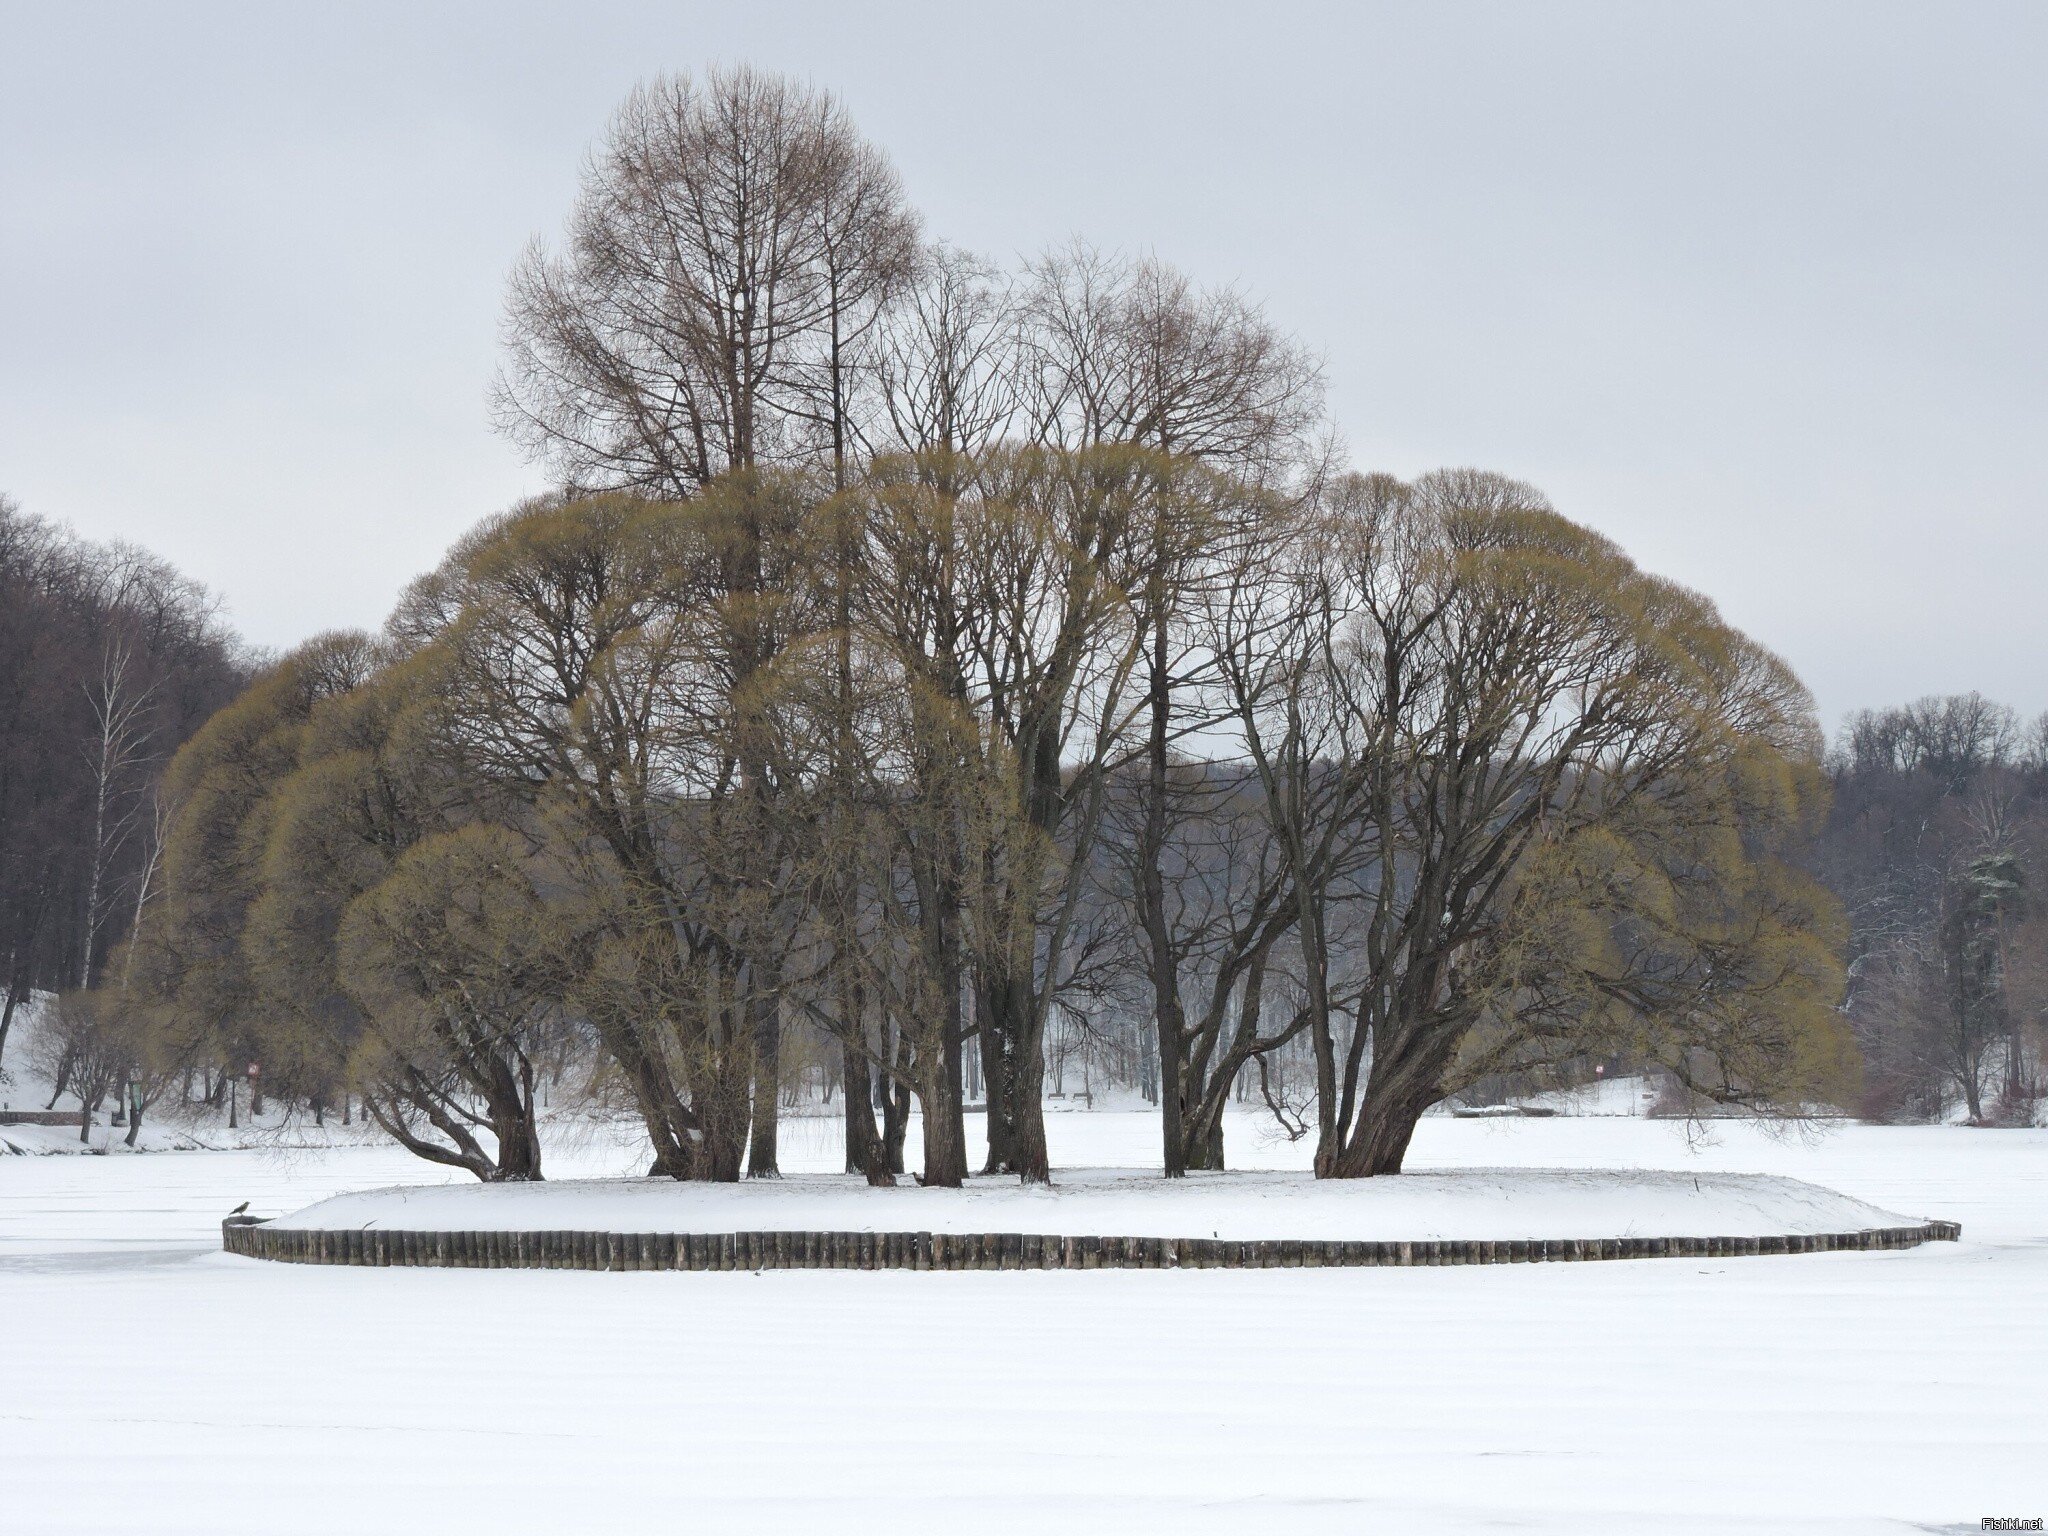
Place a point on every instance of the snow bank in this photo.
(1462, 1203)
(58, 1140)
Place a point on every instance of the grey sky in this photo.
(1758, 292)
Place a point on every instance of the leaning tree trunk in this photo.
(1404, 1080)
(865, 1153)
(1202, 1139)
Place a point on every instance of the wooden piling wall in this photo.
(992, 1250)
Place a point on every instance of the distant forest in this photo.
(109, 661)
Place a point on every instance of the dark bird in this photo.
(239, 1209)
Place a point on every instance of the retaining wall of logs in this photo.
(990, 1250)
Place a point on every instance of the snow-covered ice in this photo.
(148, 1381)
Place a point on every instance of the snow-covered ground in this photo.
(149, 1382)
(1124, 1202)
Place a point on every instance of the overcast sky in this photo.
(1758, 292)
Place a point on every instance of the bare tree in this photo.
(731, 240)
(948, 363)
(123, 726)
(1575, 787)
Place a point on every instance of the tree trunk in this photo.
(63, 1078)
(1204, 1139)
(939, 1082)
(2019, 1088)
(1402, 1082)
(1380, 1141)
(14, 997)
(767, 1029)
(1169, 1018)
(510, 1104)
(1028, 1156)
(865, 1154)
(992, 1035)
(945, 1120)
(894, 1092)
(1013, 1057)
(718, 1150)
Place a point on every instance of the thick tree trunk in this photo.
(1203, 1142)
(717, 1154)
(518, 1151)
(892, 1090)
(865, 1153)
(669, 1123)
(767, 1030)
(1403, 1081)
(1014, 1059)
(945, 1141)
(941, 1090)
(510, 1102)
(1028, 1156)
(1380, 1141)
(858, 1107)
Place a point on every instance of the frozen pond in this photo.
(148, 1381)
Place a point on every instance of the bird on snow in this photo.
(239, 1209)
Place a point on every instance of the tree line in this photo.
(109, 661)
(923, 661)
(1938, 831)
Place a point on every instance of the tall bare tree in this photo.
(731, 238)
